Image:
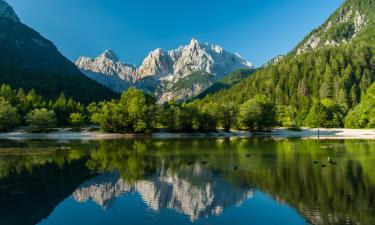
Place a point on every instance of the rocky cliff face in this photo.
(167, 190)
(165, 67)
(108, 70)
(340, 28)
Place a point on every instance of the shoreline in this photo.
(277, 133)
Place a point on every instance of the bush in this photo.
(258, 114)
(76, 120)
(325, 113)
(133, 113)
(9, 117)
(40, 120)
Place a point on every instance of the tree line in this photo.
(134, 112)
(325, 88)
(137, 112)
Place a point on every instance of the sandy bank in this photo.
(277, 133)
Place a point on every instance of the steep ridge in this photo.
(28, 60)
(165, 70)
(353, 20)
(336, 62)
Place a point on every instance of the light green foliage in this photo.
(40, 120)
(325, 113)
(9, 117)
(286, 116)
(257, 114)
(363, 116)
(76, 120)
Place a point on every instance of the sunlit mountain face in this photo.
(189, 181)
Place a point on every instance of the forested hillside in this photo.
(336, 62)
(30, 61)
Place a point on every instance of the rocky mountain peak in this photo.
(107, 64)
(110, 55)
(353, 19)
(165, 68)
(6, 11)
(194, 43)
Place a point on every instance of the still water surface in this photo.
(187, 181)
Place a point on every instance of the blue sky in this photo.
(256, 29)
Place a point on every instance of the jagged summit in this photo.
(6, 11)
(165, 67)
(109, 54)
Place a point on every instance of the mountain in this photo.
(28, 60)
(335, 61)
(274, 61)
(195, 198)
(108, 70)
(352, 20)
(177, 74)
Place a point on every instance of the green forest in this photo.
(318, 89)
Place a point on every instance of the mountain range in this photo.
(30, 61)
(178, 74)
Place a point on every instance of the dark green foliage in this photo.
(176, 117)
(297, 81)
(340, 74)
(50, 84)
(257, 114)
(187, 117)
(64, 107)
(227, 82)
(40, 66)
(226, 115)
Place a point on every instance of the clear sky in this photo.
(256, 29)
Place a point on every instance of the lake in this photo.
(187, 181)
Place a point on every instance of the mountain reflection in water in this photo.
(168, 190)
(211, 181)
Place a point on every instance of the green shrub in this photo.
(9, 117)
(40, 120)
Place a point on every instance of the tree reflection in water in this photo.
(198, 177)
